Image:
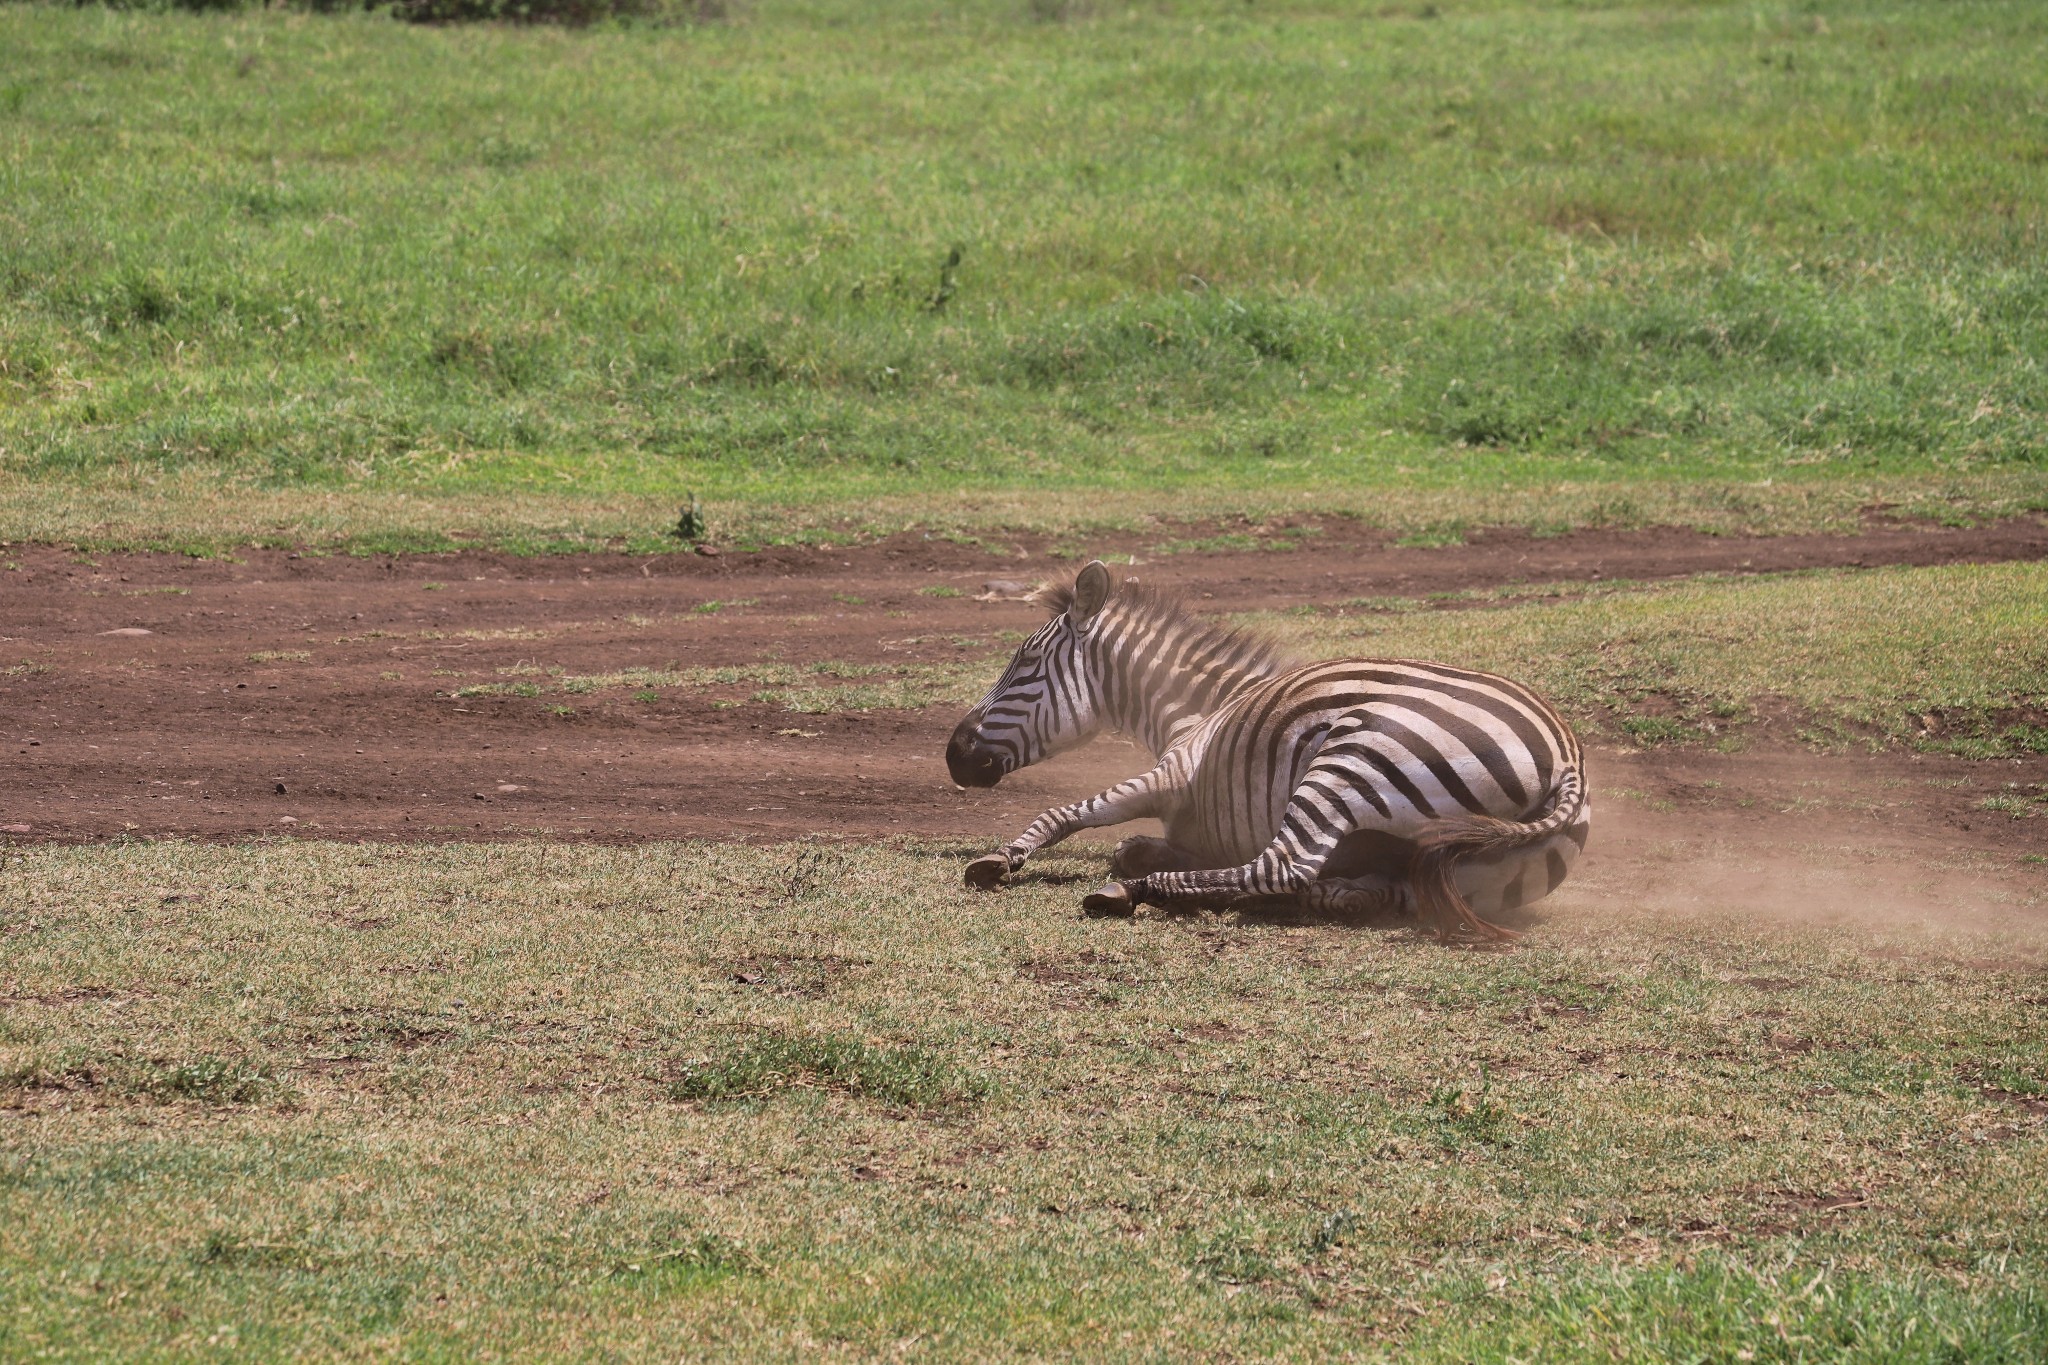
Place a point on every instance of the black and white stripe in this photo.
(1350, 784)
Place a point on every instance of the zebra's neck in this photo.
(1157, 669)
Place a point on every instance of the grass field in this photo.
(847, 267)
(1782, 1096)
(526, 1099)
(329, 278)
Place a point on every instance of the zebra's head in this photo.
(1045, 702)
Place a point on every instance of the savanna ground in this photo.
(365, 993)
(442, 917)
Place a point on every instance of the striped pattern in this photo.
(1351, 784)
(1145, 670)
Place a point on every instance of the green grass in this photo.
(334, 278)
(905, 1077)
(322, 1100)
(2017, 803)
(1953, 659)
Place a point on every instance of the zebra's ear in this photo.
(1091, 590)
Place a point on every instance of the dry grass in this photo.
(314, 1099)
(201, 511)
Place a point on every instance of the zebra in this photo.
(1349, 785)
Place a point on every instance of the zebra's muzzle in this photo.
(972, 763)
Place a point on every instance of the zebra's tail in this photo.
(1443, 844)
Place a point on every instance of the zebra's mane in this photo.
(1144, 605)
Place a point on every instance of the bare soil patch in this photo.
(316, 696)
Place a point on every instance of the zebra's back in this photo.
(1393, 744)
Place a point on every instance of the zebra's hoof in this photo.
(985, 874)
(1113, 900)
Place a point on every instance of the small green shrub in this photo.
(691, 525)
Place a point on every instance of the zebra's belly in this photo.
(1208, 846)
(1226, 822)
(1374, 850)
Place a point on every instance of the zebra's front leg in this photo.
(1133, 800)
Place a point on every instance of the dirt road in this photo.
(159, 696)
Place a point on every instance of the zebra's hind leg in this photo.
(1288, 866)
(1142, 854)
(1347, 896)
(1123, 897)
(1271, 874)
